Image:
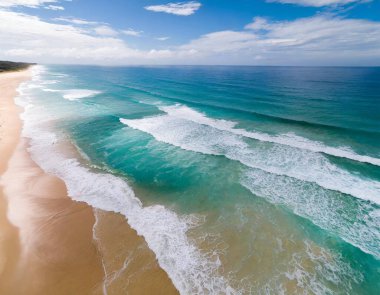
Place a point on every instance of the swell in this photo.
(235, 110)
(277, 119)
(238, 111)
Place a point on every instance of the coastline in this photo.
(52, 244)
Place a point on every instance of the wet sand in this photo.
(129, 264)
(10, 127)
(50, 244)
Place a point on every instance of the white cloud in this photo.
(105, 30)
(28, 3)
(318, 40)
(54, 7)
(180, 8)
(25, 37)
(132, 32)
(317, 3)
(162, 38)
(259, 23)
(76, 21)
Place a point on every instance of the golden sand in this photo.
(47, 243)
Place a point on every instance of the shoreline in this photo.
(10, 128)
(52, 244)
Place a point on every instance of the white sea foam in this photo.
(305, 182)
(277, 159)
(289, 139)
(49, 82)
(75, 94)
(353, 220)
(329, 270)
(184, 112)
(97, 241)
(191, 271)
(50, 90)
(330, 274)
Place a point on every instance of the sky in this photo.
(199, 32)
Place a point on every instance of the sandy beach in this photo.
(50, 244)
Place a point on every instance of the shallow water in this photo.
(242, 180)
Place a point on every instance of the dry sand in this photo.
(47, 243)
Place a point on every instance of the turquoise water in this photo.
(250, 180)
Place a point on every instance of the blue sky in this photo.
(116, 32)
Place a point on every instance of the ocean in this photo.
(242, 180)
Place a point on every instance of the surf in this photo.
(192, 271)
(289, 139)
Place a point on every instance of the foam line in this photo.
(278, 159)
(289, 139)
(76, 94)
